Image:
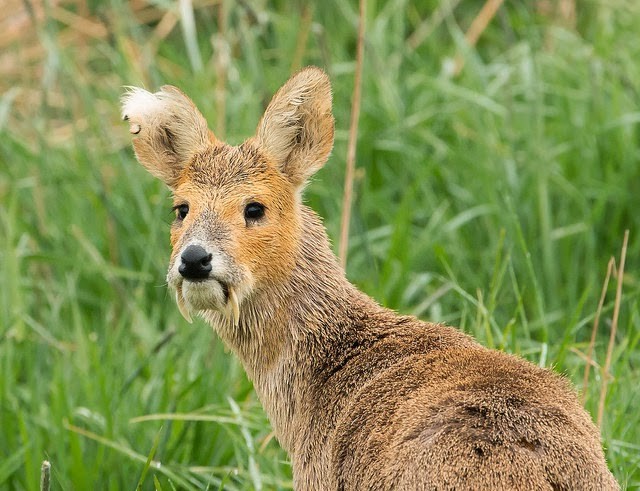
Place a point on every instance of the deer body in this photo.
(360, 397)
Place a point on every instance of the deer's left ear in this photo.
(169, 130)
(297, 127)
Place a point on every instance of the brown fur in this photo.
(360, 397)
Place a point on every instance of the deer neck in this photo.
(278, 326)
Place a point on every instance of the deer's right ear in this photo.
(169, 130)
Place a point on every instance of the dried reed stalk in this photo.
(589, 356)
(303, 37)
(221, 49)
(614, 328)
(427, 26)
(477, 27)
(353, 139)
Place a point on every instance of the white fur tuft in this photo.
(139, 104)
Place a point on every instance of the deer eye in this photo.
(253, 211)
(181, 211)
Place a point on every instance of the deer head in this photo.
(237, 229)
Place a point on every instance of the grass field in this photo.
(492, 199)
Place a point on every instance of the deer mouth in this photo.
(225, 290)
(207, 294)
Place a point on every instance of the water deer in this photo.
(360, 397)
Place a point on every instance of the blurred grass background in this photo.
(494, 183)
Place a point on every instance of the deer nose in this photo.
(196, 263)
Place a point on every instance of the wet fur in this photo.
(359, 396)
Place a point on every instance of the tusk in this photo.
(181, 305)
(235, 308)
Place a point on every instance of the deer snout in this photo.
(195, 263)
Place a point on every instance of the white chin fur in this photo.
(203, 295)
(207, 296)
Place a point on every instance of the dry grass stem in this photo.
(614, 328)
(85, 26)
(562, 12)
(477, 27)
(221, 53)
(353, 140)
(426, 27)
(166, 25)
(303, 37)
(589, 356)
(266, 440)
(567, 10)
(579, 353)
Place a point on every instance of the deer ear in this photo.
(169, 130)
(297, 127)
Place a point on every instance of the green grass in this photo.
(492, 201)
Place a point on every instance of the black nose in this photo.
(196, 263)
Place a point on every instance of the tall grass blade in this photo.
(147, 464)
(11, 463)
(188, 23)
